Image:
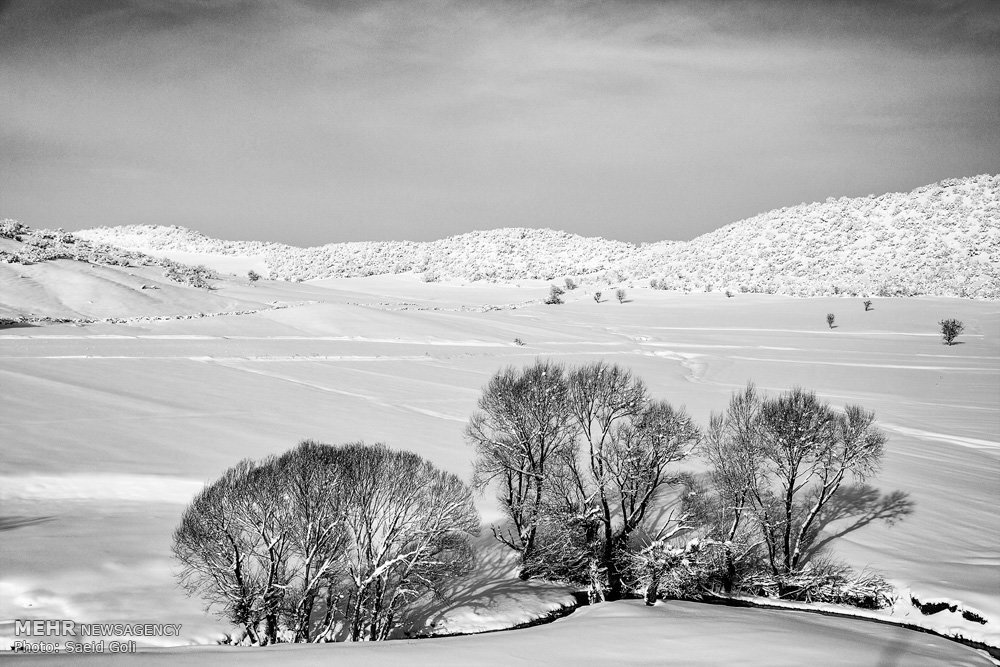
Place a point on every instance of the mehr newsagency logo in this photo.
(64, 635)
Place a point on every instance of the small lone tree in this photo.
(253, 276)
(555, 295)
(868, 305)
(620, 294)
(950, 330)
(597, 297)
(570, 285)
(829, 319)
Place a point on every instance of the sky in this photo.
(309, 122)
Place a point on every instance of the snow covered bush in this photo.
(325, 542)
(195, 276)
(950, 330)
(570, 284)
(11, 229)
(830, 317)
(597, 297)
(620, 295)
(253, 276)
(555, 295)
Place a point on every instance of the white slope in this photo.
(940, 239)
(621, 633)
(109, 427)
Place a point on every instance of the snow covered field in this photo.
(110, 428)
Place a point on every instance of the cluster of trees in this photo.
(335, 542)
(579, 456)
(325, 542)
(584, 460)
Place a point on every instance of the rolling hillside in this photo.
(941, 239)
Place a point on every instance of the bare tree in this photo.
(520, 432)
(283, 542)
(732, 447)
(234, 549)
(316, 492)
(620, 294)
(782, 460)
(579, 459)
(410, 524)
(627, 441)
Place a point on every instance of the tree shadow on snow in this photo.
(855, 507)
(492, 592)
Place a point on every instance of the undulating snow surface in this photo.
(109, 427)
(940, 239)
(620, 633)
(113, 419)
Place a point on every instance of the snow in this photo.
(677, 633)
(940, 239)
(110, 426)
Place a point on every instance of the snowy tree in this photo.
(233, 543)
(325, 540)
(780, 461)
(409, 523)
(579, 458)
(555, 295)
(521, 432)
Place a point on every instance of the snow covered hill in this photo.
(941, 239)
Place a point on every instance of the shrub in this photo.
(555, 295)
(950, 330)
(430, 276)
(620, 294)
(729, 294)
(570, 285)
(829, 319)
(868, 305)
(518, 342)
(253, 276)
(195, 276)
(597, 297)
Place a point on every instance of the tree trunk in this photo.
(730, 577)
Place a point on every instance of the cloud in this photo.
(352, 120)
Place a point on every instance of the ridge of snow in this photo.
(941, 239)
